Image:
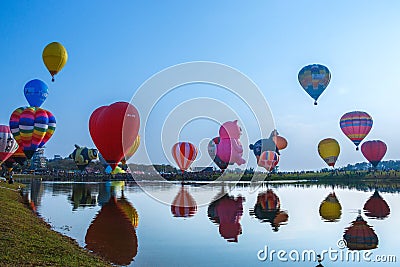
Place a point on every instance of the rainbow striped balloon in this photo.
(32, 127)
(356, 125)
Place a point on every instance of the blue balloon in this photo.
(36, 92)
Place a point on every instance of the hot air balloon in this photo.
(268, 160)
(131, 151)
(114, 129)
(374, 151)
(54, 58)
(212, 151)
(376, 207)
(36, 92)
(112, 235)
(32, 127)
(281, 142)
(314, 79)
(83, 156)
(360, 236)
(267, 144)
(184, 154)
(18, 156)
(229, 148)
(356, 125)
(330, 209)
(329, 150)
(8, 145)
(183, 204)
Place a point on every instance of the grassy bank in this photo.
(25, 240)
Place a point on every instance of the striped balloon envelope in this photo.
(268, 160)
(184, 154)
(32, 127)
(356, 125)
(8, 145)
(184, 204)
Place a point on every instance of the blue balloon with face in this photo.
(36, 92)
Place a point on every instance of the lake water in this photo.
(164, 224)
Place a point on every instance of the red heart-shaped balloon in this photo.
(114, 129)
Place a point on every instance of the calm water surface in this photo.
(129, 226)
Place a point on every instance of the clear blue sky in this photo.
(114, 47)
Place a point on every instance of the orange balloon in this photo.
(280, 142)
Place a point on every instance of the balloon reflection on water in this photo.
(226, 211)
(268, 209)
(183, 204)
(376, 207)
(360, 236)
(112, 233)
(330, 209)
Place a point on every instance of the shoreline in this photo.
(27, 240)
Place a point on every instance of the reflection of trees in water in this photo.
(112, 234)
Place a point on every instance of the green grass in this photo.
(26, 240)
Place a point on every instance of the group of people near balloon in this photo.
(30, 127)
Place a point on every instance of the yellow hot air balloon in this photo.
(329, 150)
(54, 57)
(132, 150)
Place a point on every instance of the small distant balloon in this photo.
(329, 150)
(374, 151)
(356, 125)
(184, 154)
(36, 92)
(54, 58)
(314, 79)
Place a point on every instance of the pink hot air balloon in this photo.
(374, 151)
(356, 125)
(268, 160)
(184, 154)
